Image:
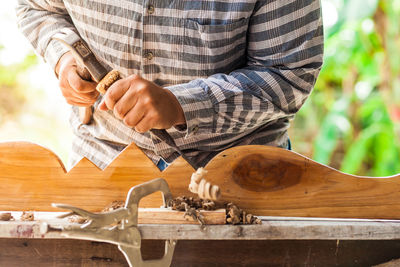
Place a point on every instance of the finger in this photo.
(90, 97)
(125, 104)
(144, 125)
(102, 105)
(69, 94)
(134, 116)
(78, 84)
(115, 92)
(79, 103)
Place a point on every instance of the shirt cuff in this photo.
(54, 52)
(197, 108)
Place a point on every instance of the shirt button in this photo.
(149, 55)
(150, 9)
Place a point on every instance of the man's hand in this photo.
(75, 90)
(142, 104)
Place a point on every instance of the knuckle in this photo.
(128, 121)
(140, 129)
(112, 95)
(118, 111)
(141, 87)
(135, 77)
(148, 101)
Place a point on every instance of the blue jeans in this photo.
(162, 164)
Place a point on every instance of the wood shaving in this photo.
(235, 215)
(27, 216)
(114, 205)
(6, 216)
(202, 187)
(192, 207)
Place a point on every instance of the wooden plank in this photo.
(197, 253)
(269, 230)
(277, 230)
(166, 216)
(262, 180)
(145, 216)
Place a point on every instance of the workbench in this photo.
(276, 242)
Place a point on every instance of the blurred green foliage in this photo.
(353, 115)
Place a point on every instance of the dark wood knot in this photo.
(257, 173)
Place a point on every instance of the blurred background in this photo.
(351, 121)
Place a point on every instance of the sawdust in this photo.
(27, 216)
(6, 216)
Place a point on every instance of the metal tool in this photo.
(88, 67)
(82, 54)
(87, 60)
(120, 226)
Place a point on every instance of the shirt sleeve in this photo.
(39, 21)
(284, 57)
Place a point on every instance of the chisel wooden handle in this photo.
(85, 113)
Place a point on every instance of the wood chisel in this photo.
(87, 60)
(88, 67)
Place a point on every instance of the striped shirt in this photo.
(240, 69)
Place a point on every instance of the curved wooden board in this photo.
(260, 179)
(33, 177)
(277, 182)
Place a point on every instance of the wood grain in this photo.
(164, 216)
(262, 180)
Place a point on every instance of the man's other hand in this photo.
(142, 104)
(75, 90)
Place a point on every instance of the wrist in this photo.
(180, 115)
(61, 62)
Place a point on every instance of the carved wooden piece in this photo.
(263, 180)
